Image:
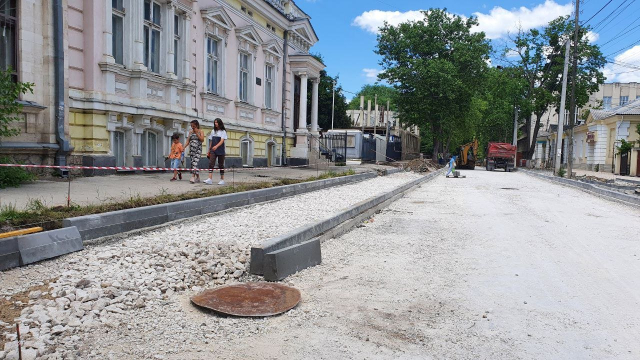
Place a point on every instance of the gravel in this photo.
(137, 290)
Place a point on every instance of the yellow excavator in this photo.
(467, 156)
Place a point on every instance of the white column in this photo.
(302, 126)
(186, 75)
(107, 35)
(314, 106)
(171, 11)
(137, 22)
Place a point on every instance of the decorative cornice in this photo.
(135, 74)
(247, 106)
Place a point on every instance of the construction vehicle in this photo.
(501, 156)
(468, 155)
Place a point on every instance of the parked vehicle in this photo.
(467, 156)
(501, 156)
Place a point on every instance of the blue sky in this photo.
(347, 29)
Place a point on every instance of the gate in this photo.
(624, 164)
(394, 149)
(368, 147)
(333, 147)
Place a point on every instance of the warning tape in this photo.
(129, 168)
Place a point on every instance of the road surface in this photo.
(494, 266)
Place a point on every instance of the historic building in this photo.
(138, 71)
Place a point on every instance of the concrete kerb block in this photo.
(284, 262)
(117, 222)
(9, 253)
(629, 199)
(308, 232)
(48, 244)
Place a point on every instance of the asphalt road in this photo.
(494, 266)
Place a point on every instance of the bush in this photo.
(562, 172)
(13, 176)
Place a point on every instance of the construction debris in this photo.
(421, 166)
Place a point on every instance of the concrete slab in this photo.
(9, 253)
(284, 262)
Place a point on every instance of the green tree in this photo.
(540, 56)
(10, 108)
(385, 93)
(436, 65)
(325, 101)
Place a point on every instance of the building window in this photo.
(606, 102)
(213, 65)
(149, 148)
(244, 77)
(246, 152)
(624, 100)
(152, 29)
(8, 37)
(176, 42)
(117, 30)
(269, 87)
(248, 12)
(271, 27)
(119, 148)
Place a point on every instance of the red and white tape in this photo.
(129, 168)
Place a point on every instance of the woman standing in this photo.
(217, 150)
(194, 141)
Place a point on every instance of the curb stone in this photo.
(294, 250)
(590, 188)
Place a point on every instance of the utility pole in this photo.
(333, 103)
(572, 103)
(515, 132)
(563, 100)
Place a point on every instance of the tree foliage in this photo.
(436, 65)
(385, 93)
(325, 102)
(540, 54)
(10, 109)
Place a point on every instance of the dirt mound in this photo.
(422, 166)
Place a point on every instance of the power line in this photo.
(602, 8)
(620, 12)
(623, 49)
(616, 38)
(608, 16)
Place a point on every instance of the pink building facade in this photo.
(138, 71)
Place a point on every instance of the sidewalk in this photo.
(114, 188)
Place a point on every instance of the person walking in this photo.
(176, 155)
(195, 138)
(217, 150)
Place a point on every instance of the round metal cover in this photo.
(249, 299)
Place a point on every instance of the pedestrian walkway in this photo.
(607, 176)
(114, 188)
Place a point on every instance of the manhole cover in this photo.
(249, 299)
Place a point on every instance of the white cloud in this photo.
(496, 24)
(623, 74)
(373, 20)
(593, 36)
(499, 21)
(371, 74)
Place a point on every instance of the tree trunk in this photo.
(532, 144)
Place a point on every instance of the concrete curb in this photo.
(590, 188)
(28, 249)
(294, 244)
(117, 222)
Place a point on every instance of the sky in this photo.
(347, 30)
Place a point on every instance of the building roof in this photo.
(631, 108)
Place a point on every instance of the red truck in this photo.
(501, 156)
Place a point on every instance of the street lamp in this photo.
(333, 103)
